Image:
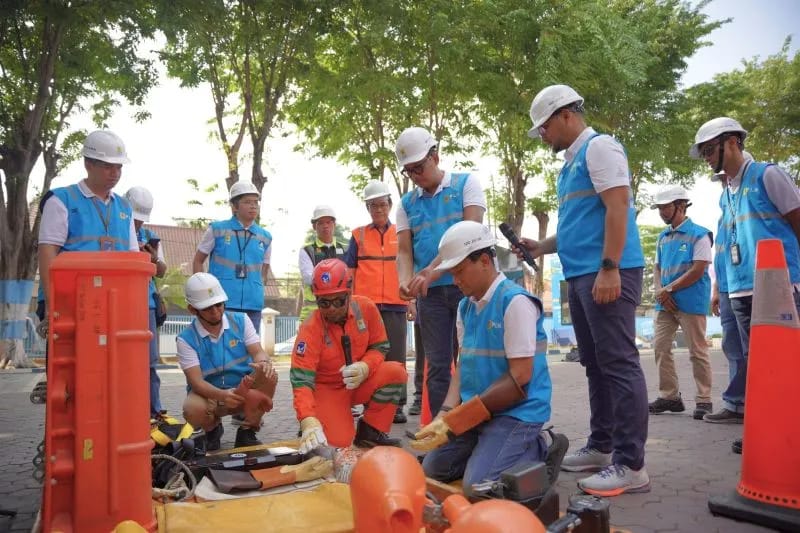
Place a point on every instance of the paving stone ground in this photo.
(687, 460)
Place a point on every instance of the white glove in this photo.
(354, 375)
(311, 434)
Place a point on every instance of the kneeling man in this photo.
(227, 370)
(499, 397)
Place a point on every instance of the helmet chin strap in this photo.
(720, 155)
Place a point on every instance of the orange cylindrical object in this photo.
(489, 516)
(97, 434)
(770, 462)
(387, 489)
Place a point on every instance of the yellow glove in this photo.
(354, 375)
(311, 434)
(431, 436)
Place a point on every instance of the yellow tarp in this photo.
(326, 509)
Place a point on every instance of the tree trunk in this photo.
(543, 219)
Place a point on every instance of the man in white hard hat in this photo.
(239, 252)
(324, 246)
(439, 199)
(227, 371)
(141, 202)
(86, 216)
(499, 396)
(682, 293)
(598, 244)
(372, 255)
(761, 201)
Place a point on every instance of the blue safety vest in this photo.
(223, 363)
(483, 357)
(719, 255)
(236, 261)
(144, 235)
(90, 219)
(582, 219)
(750, 217)
(430, 216)
(675, 252)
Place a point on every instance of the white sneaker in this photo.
(615, 480)
(586, 459)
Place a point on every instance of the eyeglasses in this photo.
(415, 169)
(249, 202)
(543, 128)
(374, 206)
(708, 148)
(337, 303)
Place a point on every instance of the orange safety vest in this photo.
(376, 272)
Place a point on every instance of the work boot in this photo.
(399, 416)
(724, 416)
(662, 405)
(369, 437)
(556, 450)
(214, 438)
(246, 437)
(701, 409)
(736, 447)
(416, 408)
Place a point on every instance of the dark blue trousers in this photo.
(606, 336)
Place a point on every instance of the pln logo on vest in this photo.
(227, 238)
(683, 247)
(490, 325)
(123, 215)
(233, 343)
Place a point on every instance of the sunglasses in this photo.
(415, 169)
(337, 303)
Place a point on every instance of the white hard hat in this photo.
(243, 187)
(547, 102)
(323, 211)
(460, 240)
(105, 145)
(376, 189)
(141, 202)
(203, 290)
(713, 129)
(669, 194)
(413, 145)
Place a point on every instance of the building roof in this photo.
(180, 245)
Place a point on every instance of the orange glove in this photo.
(314, 468)
(457, 421)
(256, 403)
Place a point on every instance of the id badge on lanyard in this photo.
(106, 244)
(736, 258)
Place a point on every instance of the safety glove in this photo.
(314, 468)
(354, 374)
(311, 434)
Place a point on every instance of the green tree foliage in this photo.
(249, 52)
(649, 237)
(57, 58)
(764, 96)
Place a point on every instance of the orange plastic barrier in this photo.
(490, 516)
(97, 434)
(387, 489)
(768, 492)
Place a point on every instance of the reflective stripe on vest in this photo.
(676, 257)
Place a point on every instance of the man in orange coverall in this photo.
(338, 361)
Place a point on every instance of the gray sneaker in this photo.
(614, 480)
(724, 416)
(586, 459)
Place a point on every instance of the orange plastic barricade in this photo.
(768, 492)
(490, 516)
(97, 433)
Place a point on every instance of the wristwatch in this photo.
(608, 264)
(668, 288)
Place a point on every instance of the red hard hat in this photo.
(330, 277)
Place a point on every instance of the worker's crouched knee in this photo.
(199, 411)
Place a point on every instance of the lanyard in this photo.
(735, 210)
(218, 347)
(247, 238)
(107, 218)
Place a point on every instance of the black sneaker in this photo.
(246, 437)
(214, 438)
(724, 416)
(555, 454)
(662, 405)
(369, 437)
(399, 416)
(736, 447)
(415, 409)
(701, 409)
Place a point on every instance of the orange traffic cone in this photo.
(768, 492)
